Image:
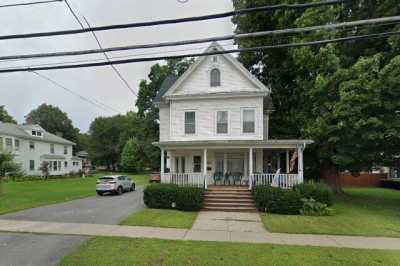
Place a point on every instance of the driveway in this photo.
(40, 250)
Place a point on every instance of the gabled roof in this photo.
(170, 84)
(20, 131)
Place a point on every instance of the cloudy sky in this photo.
(22, 92)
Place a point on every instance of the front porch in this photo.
(242, 163)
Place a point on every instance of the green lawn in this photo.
(360, 211)
(128, 251)
(162, 218)
(17, 196)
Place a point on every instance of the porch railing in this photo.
(281, 180)
(184, 179)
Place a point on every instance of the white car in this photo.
(114, 184)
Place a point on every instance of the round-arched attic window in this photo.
(215, 77)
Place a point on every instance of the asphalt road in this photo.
(43, 250)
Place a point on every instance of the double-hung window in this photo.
(190, 122)
(248, 120)
(1, 143)
(222, 122)
(8, 144)
(196, 164)
(52, 148)
(16, 144)
(65, 149)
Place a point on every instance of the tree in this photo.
(53, 120)
(5, 117)
(45, 168)
(344, 96)
(131, 156)
(8, 167)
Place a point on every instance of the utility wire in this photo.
(259, 48)
(212, 39)
(108, 59)
(94, 102)
(30, 3)
(176, 21)
(73, 14)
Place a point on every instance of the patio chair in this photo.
(218, 176)
(227, 178)
(237, 177)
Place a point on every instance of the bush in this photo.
(189, 198)
(167, 196)
(391, 183)
(160, 196)
(318, 191)
(311, 207)
(277, 200)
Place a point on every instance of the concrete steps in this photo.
(228, 198)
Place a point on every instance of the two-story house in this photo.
(31, 145)
(214, 128)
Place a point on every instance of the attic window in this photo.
(215, 59)
(215, 78)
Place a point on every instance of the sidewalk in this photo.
(210, 226)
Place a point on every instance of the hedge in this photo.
(168, 196)
(390, 183)
(277, 200)
(318, 191)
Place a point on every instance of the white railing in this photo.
(282, 180)
(184, 179)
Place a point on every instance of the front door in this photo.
(235, 163)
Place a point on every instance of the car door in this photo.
(127, 184)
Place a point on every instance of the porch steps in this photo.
(228, 198)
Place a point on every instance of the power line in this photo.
(94, 102)
(30, 3)
(73, 14)
(259, 48)
(176, 21)
(212, 39)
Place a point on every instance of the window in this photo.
(222, 122)
(65, 164)
(190, 122)
(31, 145)
(248, 117)
(177, 164)
(1, 143)
(16, 144)
(77, 163)
(183, 165)
(59, 165)
(215, 78)
(32, 165)
(55, 165)
(8, 144)
(215, 59)
(197, 164)
(33, 132)
(39, 133)
(65, 149)
(52, 148)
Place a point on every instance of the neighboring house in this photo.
(214, 126)
(32, 145)
(86, 162)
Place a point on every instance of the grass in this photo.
(17, 196)
(128, 251)
(162, 218)
(360, 211)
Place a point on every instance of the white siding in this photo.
(232, 80)
(164, 122)
(206, 118)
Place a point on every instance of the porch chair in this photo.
(218, 176)
(227, 178)
(237, 176)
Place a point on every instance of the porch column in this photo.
(225, 163)
(287, 161)
(250, 167)
(300, 163)
(162, 166)
(205, 167)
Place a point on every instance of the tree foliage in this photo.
(5, 117)
(344, 96)
(131, 156)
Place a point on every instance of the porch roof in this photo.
(219, 144)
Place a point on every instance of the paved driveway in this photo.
(41, 250)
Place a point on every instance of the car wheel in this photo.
(100, 193)
(120, 191)
(132, 187)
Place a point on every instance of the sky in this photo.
(23, 91)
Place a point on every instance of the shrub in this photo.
(160, 196)
(391, 183)
(318, 191)
(189, 198)
(167, 196)
(277, 200)
(311, 207)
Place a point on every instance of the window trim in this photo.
(65, 149)
(216, 122)
(8, 141)
(52, 148)
(200, 170)
(30, 165)
(17, 147)
(215, 84)
(32, 145)
(242, 120)
(195, 122)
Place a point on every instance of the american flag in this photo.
(293, 161)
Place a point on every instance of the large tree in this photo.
(344, 96)
(53, 120)
(5, 117)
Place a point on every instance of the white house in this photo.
(214, 127)
(32, 145)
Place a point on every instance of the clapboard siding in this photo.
(164, 122)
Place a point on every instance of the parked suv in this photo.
(115, 184)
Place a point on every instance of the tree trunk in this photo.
(330, 174)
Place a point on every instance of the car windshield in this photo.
(106, 178)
